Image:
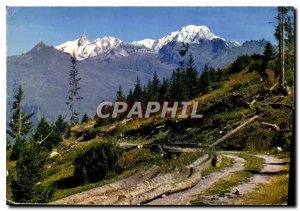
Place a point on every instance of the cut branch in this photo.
(234, 131)
(273, 87)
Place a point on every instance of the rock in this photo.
(163, 196)
(216, 162)
(237, 192)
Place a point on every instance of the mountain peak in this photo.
(195, 27)
(187, 34)
(193, 33)
(83, 40)
(146, 42)
(38, 46)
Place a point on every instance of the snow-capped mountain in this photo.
(107, 62)
(146, 42)
(83, 48)
(187, 34)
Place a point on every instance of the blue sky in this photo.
(26, 26)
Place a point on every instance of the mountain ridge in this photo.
(43, 71)
(83, 48)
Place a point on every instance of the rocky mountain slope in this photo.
(108, 62)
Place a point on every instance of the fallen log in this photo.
(193, 179)
(233, 131)
(199, 161)
(152, 188)
(168, 189)
(124, 196)
(187, 178)
(272, 126)
(138, 177)
(279, 105)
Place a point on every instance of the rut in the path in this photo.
(272, 166)
(184, 197)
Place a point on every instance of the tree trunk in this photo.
(281, 52)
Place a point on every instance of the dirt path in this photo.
(272, 166)
(184, 197)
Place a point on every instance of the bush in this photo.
(97, 161)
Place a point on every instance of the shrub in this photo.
(97, 161)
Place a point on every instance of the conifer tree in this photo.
(46, 135)
(178, 89)
(85, 119)
(74, 91)
(145, 97)
(269, 52)
(120, 96)
(164, 90)
(130, 97)
(205, 80)
(191, 78)
(61, 125)
(154, 88)
(19, 125)
(137, 92)
(27, 188)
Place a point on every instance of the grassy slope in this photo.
(216, 120)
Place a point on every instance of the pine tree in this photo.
(85, 119)
(269, 52)
(19, 123)
(120, 96)
(191, 78)
(137, 92)
(74, 88)
(145, 97)
(129, 98)
(164, 90)
(178, 89)
(205, 80)
(61, 125)
(46, 135)
(154, 88)
(27, 188)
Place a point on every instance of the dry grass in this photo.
(224, 185)
(273, 193)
